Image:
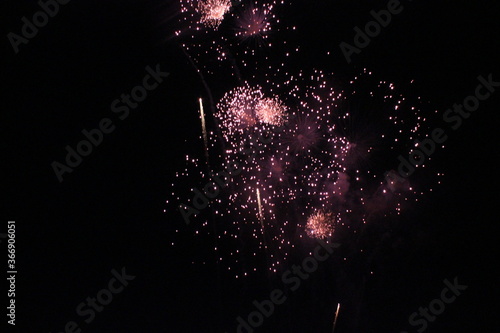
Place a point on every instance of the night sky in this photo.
(109, 212)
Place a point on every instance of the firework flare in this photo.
(261, 215)
(336, 317)
(204, 130)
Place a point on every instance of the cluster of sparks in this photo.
(320, 224)
(246, 106)
(212, 11)
(255, 21)
(215, 29)
(308, 155)
(270, 111)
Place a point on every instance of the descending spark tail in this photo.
(204, 130)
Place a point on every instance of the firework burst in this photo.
(247, 106)
(304, 136)
(295, 145)
(213, 11)
(237, 108)
(296, 141)
(320, 225)
(271, 111)
(255, 21)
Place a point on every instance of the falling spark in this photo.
(336, 316)
(204, 130)
(261, 215)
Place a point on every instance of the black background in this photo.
(108, 213)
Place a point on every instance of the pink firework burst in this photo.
(254, 22)
(236, 109)
(305, 134)
(271, 111)
(213, 11)
(320, 224)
